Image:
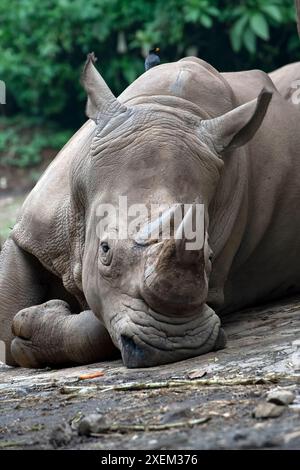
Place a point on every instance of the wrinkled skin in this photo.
(180, 133)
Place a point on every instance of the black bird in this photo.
(152, 59)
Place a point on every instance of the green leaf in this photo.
(213, 11)
(273, 11)
(206, 21)
(192, 16)
(249, 40)
(259, 26)
(129, 74)
(236, 33)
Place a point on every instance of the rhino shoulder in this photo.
(46, 226)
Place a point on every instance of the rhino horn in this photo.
(155, 229)
(101, 101)
(175, 273)
(178, 246)
(182, 235)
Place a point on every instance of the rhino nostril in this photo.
(128, 343)
(132, 354)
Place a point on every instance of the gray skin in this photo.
(181, 133)
(287, 81)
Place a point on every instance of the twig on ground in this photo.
(192, 383)
(124, 428)
(5, 444)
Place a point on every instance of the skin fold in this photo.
(181, 133)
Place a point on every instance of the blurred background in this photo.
(44, 45)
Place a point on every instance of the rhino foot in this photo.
(49, 334)
(39, 332)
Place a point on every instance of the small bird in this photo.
(152, 59)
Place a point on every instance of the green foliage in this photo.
(23, 140)
(254, 18)
(44, 44)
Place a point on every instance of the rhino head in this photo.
(151, 292)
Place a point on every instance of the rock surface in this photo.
(163, 407)
(268, 410)
(61, 435)
(91, 424)
(281, 397)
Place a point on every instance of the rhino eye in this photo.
(105, 247)
(105, 253)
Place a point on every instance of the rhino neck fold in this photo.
(174, 103)
(228, 214)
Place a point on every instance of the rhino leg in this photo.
(49, 334)
(21, 285)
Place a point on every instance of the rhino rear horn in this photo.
(101, 101)
(237, 127)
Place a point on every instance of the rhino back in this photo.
(273, 170)
(191, 80)
(248, 84)
(287, 79)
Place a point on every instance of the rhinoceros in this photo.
(181, 133)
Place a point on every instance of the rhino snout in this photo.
(132, 354)
(199, 336)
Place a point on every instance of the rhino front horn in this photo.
(184, 234)
(101, 103)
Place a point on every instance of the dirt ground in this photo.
(202, 403)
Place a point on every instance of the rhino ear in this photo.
(101, 100)
(237, 127)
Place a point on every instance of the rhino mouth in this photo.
(147, 338)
